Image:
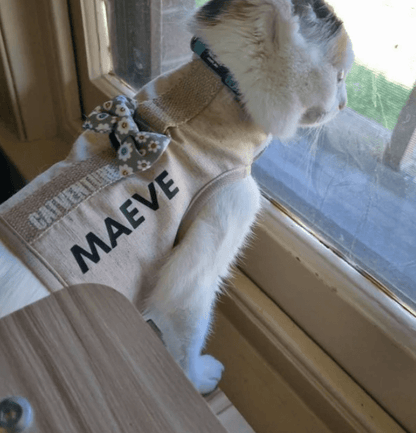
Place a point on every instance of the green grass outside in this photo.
(373, 96)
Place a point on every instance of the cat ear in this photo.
(272, 102)
(280, 25)
(310, 14)
(304, 9)
(211, 11)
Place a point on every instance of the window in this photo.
(353, 181)
(142, 52)
(351, 184)
(126, 44)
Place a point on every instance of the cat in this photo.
(289, 60)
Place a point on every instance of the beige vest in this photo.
(87, 224)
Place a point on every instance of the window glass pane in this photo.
(147, 38)
(352, 181)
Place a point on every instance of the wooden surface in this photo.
(226, 412)
(88, 362)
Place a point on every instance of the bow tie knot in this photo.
(136, 150)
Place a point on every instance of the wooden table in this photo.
(87, 362)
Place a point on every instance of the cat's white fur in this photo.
(286, 80)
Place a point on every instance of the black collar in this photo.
(199, 48)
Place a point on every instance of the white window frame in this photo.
(285, 260)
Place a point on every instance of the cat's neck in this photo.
(267, 88)
(209, 58)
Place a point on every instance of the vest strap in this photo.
(183, 101)
(205, 194)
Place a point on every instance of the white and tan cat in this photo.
(289, 59)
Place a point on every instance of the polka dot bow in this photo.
(136, 150)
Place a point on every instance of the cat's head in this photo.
(289, 58)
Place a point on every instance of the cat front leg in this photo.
(181, 306)
(182, 302)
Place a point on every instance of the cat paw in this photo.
(207, 374)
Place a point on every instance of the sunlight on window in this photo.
(383, 34)
(385, 58)
(104, 37)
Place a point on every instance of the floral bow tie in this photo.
(136, 150)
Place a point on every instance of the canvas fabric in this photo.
(82, 222)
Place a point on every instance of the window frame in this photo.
(37, 57)
(303, 257)
(26, 52)
(309, 276)
(403, 139)
(95, 80)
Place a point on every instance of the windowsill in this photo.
(276, 375)
(366, 332)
